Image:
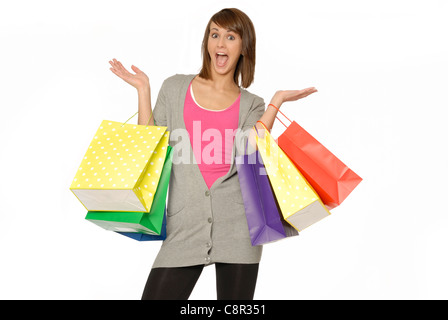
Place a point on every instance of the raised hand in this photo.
(278, 99)
(293, 95)
(139, 80)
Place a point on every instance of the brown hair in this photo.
(237, 21)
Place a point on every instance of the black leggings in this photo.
(233, 282)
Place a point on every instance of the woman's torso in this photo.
(204, 225)
(211, 133)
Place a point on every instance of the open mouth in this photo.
(221, 59)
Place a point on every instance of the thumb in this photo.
(137, 70)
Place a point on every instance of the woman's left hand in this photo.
(292, 95)
(279, 97)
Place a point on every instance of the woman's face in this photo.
(224, 47)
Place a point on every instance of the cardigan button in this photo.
(210, 220)
(207, 193)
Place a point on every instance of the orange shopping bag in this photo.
(328, 175)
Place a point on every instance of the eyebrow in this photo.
(228, 30)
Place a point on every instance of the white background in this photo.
(381, 70)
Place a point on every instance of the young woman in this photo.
(206, 221)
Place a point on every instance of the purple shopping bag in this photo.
(263, 216)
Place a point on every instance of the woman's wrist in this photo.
(144, 90)
(277, 99)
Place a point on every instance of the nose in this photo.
(221, 42)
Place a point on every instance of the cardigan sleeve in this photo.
(160, 108)
(255, 113)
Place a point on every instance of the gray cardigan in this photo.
(203, 226)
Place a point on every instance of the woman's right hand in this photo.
(139, 80)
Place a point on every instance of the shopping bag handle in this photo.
(134, 116)
(281, 113)
(262, 125)
(247, 141)
(268, 146)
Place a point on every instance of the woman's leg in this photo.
(171, 283)
(236, 281)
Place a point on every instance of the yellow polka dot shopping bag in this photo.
(122, 167)
(140, 225)
(299, 204)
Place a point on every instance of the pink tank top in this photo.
(211, 136)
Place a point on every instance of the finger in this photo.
(136, 70)
(123, 69)
(118, 66)
(306, 92)
(309, 89)
(114, 65)
(117, 73)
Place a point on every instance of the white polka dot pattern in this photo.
(124, 157)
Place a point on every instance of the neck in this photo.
(223, 81)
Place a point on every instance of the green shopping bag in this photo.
(140, 222)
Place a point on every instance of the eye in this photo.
(214, 35)
(231, 37)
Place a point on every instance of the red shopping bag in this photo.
(329, 176)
